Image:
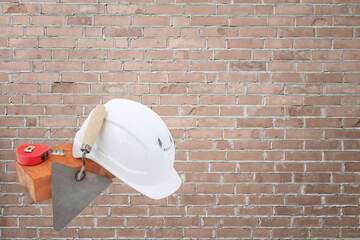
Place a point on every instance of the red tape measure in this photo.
(32, 154)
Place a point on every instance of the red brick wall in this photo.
(261, 96)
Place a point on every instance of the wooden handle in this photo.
(94, 125)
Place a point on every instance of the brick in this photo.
(304, 111)
(312, 177)
(197, 200)
(21, 20)
(325, 232)
(314, 21)
(208, 155)
(345, 178)
(248, 21)
(25, 110)
(319, 122)
(201, 111)
(20, 8)
(18, 233)
(318, 211)
(323, 78)
(278, 43)
(236, 77)
(86, 54)
(350, 210)
(273, 177)
(206, 66)
(274, 134)
(124, 9)
(118, 77)
(219, 32)
(103, 66)
(236, 9)
(168, 89)
(345, 155)
(186, 43)
(151, 20)
(245, 43)
(233, 232)
(159, 54)
(350, 144)
(233, 54)
(275, 222)
(351, 233)
(91, 9)
(254, 122)
(303, 200)
(184, 221)
(59, 9)
(291, 123)
(163, 233)
(95, 43)
(56, 43)
(94, 233)
(322, 144)
(109, 21)
(341, 133)
(160, 32)
(210, 188)
(22, 43)
(337, 112)
(131, 232)
(251, 144)
(284, 100)
(258, 32)
(186, 77)
(209, 21)
(289, 232)
(281, 66)
(79, 20)
(49, 20)
(30, 54)
(291, 55)
(248, 66)
(241, 221)
(265, 111)
(280, 21)
(19, 88)
(67, 66)
(221, 210)
(351, 55)
(298, 32)
(266, 200)
(144, 43)
(293, 10)
(346, 21)
(180, 21)
(201, 232)
(56, 121)
(349, 67)
(199, 9)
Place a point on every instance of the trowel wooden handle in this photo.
(94, 125)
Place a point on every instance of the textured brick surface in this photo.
(261, 96)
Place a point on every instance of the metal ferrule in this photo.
(81, 174)
(85, 148)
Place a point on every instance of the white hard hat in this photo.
(135, 145)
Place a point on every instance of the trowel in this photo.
(72, 189)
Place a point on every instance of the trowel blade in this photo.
(70, 196)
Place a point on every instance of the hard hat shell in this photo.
(135, 145)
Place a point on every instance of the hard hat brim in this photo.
(160, 190)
